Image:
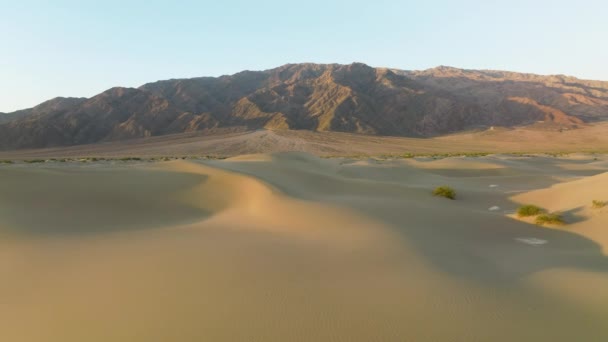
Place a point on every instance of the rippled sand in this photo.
(289, 247)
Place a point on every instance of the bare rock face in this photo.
(347, 98)
(56, 104)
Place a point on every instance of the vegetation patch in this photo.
(34, 161)
(6, 161)
(597, 204)
(557, 154)
(552, 218)
(445, 191)
(529, 210)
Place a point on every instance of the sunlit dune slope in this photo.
(291, 247)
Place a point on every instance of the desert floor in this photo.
(291, 247)
(590, 138)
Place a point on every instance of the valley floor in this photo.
(589, 138)
(292, 247)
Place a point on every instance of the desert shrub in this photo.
(552, 218)
(6, 161)
(597, 204)
(33, 161)
(557, 154)
(529, 210)
(130, 159)
(445, 191)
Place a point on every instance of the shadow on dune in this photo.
(486, 246)
(470, 172)
(573, 215)
(459, 237)
(82, 201)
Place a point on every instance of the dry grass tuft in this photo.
(445, 191)
(552, 218)
(529, 210)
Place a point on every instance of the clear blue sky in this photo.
(80, 48)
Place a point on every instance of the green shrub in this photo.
(6, 161)
(33, 161)
(552, 218)
(529, 210)
(445, 191)
(596, 204)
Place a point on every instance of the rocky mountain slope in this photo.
(346, 98)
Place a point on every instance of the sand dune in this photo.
(290, 247)
(574, 200)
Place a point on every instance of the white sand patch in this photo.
(493, 185)
(187, 250)
(532, 241)
(494, 208)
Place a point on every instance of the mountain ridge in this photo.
(352, 98)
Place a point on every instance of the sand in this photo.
(589, 138)
(291, 247)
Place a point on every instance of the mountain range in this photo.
(352, 98)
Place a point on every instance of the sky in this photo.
(81, 48)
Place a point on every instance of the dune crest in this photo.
(574, 200)
(292, 247)
(235, 198)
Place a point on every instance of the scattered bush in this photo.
(552, 218)
(529, 210)
(130, 159)
(6, 161)
(557, 154)
(596, 204)
(445, 191)
(33, 161)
